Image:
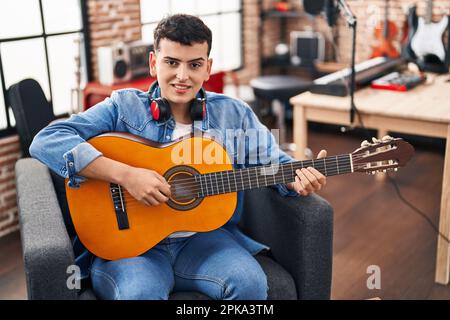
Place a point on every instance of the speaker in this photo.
(123, 62)
(306, 48)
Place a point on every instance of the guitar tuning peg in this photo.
(395, 169)
(387, 138)
(365, 143)
(375, 140)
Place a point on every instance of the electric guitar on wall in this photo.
(427, 40)
(114, 225)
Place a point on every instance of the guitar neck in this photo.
(263, 176)
(429, 12)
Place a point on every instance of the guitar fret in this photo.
(325, 165)
(242, 180)
(217, 182)
(229, 184)
(265, 176)
(201, 185)
(337, 165)
(249, 181)
(235, 182)
(206, 184)
(256, 175)
(293, 172)
(212, 187)
(282, 174)
(273, 174)
(221, 177)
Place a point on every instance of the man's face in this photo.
(180, 70)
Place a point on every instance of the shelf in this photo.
(282, 14)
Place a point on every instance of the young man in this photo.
(220, 263)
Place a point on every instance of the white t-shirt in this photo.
(180, 130)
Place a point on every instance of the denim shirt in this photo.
(63, 148)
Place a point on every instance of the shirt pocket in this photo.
(133, 124)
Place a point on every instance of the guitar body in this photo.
(93, 205)
(385, 32)
(428, 39)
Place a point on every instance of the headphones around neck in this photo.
(160, 107)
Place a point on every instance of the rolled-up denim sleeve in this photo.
(268, 146)
(62, 145)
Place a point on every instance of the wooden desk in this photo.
(425, 110)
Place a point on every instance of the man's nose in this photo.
(182, 73)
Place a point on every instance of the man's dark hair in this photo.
(182, 28)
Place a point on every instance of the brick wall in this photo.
(9, 154)
(112, 21)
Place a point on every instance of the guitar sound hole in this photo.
(184, 188)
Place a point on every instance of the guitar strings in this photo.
(192, 195)
(191, 182)
(185, 182)
(248, 178)
(286, 170)
(284, 165)
(242, 181)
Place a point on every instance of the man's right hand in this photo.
(147, 186)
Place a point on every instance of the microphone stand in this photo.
(351, 21)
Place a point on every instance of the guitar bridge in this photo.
(119, 206)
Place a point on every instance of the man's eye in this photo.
(171, 62)
(196, 65)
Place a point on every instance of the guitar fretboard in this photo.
(262, 176)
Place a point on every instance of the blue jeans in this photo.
(212, 263)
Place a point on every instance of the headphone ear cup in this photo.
(160, 109)
(198, 109)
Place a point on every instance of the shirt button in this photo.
(167, 137)
(70, 164)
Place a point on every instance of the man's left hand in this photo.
(308, 180)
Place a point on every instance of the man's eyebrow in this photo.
(175, 59)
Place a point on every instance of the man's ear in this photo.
(208, 68)
(152, 63)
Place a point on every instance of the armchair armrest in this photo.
(47, 249)
(299, 231)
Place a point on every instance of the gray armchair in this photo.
(298, 230)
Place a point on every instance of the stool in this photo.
(276, 90)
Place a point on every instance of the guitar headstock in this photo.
(381, 155)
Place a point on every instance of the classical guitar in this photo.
(113, 225)
(427, 40)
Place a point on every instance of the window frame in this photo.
(10, 130)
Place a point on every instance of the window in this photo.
(224, 18)
(43, 42)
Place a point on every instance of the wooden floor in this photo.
(372, 226)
